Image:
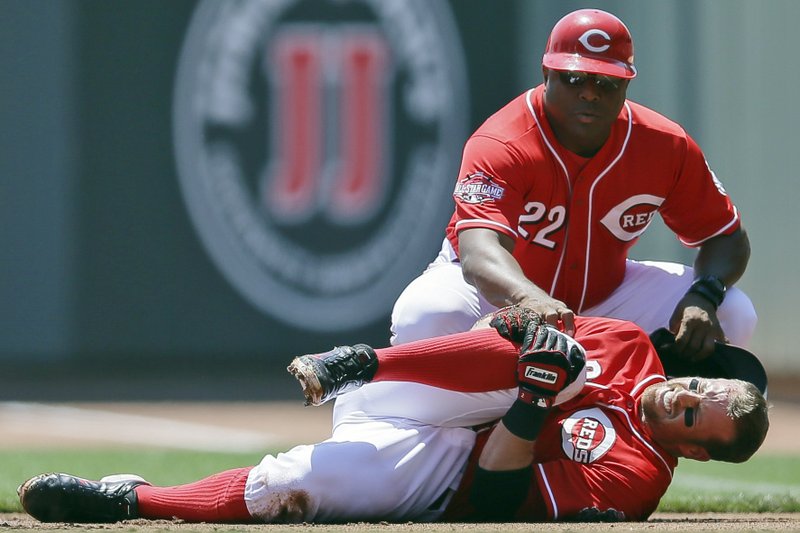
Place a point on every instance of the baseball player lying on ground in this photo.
(587, 430)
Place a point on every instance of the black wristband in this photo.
(524, 419)
(497, 494)
(709, 287)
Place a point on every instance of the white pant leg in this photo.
(423, 404)
(651, 290)
(370, 469)
(438, 302)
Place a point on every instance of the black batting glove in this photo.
(549, 362)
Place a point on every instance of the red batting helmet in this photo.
(593, 41)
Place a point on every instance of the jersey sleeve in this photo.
(698, 208)
(572, 490)
(490, 190)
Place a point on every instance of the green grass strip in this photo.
(160, 467)
(768, 483)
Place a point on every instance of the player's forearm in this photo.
(505, 451)
(487, 264)
(503, 477)
(503, 284)
(724, 257)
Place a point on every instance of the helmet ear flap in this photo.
(593, 41)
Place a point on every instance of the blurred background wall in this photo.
(145, 255)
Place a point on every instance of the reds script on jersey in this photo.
(574, 218)
(592, 451)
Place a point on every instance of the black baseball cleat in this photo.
(66, 498)
(326, 375)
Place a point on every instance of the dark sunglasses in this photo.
(576, 79)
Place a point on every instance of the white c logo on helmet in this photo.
(584, 40)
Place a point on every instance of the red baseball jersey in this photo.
(574, 219)
(593, 454)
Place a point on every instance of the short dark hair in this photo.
(748, 408)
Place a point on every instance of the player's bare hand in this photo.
(553, 312)
(696, 328)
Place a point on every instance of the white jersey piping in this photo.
(646, 381)
(569, 187)
(720, 232)
(641, 439)
(487, 222)
(550, 495)
(591, 206)
(566, 179)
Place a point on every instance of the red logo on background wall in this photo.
(587, 435)
(306, 135)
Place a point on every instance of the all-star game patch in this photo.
(477, 188)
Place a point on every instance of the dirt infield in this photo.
(658, 523)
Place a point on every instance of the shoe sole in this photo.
(56, 504)
(116, 478)
(303, 371)
(50, 513)
(22, 489)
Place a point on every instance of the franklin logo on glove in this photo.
(540, 374)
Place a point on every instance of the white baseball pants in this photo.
(440, 302)
(374, 466)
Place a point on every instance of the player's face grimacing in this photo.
(581, 107)
(683, 412)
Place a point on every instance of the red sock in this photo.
(218, 498)
(474, 361)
